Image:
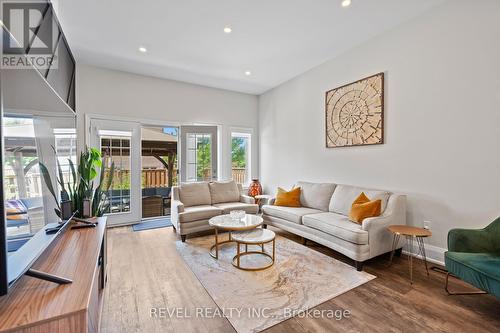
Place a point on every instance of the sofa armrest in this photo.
(395, 213)
(247, 199)
(380, 239)
(470, 240)
(379, 221)
(176, 208)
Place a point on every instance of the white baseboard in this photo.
(433, 253)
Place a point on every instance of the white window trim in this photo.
(248, 133)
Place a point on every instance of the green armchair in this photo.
(474, 257)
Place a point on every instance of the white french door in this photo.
(198, 157)
(120, 142)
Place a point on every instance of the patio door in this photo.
(198, 158)
(120, 141)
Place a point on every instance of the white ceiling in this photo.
(274, 39)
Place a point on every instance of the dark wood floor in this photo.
(145, 271)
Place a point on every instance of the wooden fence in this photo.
(159, 177)
(238, 175)
(156, 178)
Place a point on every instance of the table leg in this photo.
(274, 248)
(216, 245)
(421, 245)
(237, 254)
(409, 241)
(395, 242)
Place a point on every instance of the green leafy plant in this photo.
(82, 186)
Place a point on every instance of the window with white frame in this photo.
(199, 157)
(65, 145)
(241, 157)
(115, 148)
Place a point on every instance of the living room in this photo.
(250, 166)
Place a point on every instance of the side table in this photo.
(254, 237)
(410, 232)
(262, 199)
(226, 223)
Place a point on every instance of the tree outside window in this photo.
(240, 148)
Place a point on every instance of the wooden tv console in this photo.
(33, 305)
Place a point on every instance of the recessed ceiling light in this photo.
(248, 73)
(227, 29)
(143, 49)
(346, 3)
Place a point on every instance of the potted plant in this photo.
(82, 187)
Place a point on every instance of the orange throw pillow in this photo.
(362, 208)
(288, 198)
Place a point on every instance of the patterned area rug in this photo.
(299, 280)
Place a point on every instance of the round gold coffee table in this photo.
(254, 237)
(226, 223)
(410, 232)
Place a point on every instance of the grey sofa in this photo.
(324, 219)
(193, 204)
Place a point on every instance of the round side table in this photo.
(409, 233)
(226, 223)
(254, 237)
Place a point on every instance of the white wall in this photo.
(442, 119)
(125, 95)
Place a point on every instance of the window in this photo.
(199, 157)
(240, 157)
(22, 176)
(117, 149)
(65, 139)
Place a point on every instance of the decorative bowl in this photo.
(237, 214)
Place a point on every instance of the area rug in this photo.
(299, 280)
(153, 224)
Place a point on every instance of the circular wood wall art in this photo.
(355, 113)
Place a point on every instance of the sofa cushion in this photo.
(195, 194)
(337, 225)
(288, 198)
(224, 192)
(292, 214)
(316, 195)
(195, 213)
(363, 208)
(482, 270)
(229, 206)
(344, 196)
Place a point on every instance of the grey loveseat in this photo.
(193, 204)
(323, 218)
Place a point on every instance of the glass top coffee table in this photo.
(227, 223)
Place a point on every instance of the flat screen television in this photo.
(37, 126)
(30, 139)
